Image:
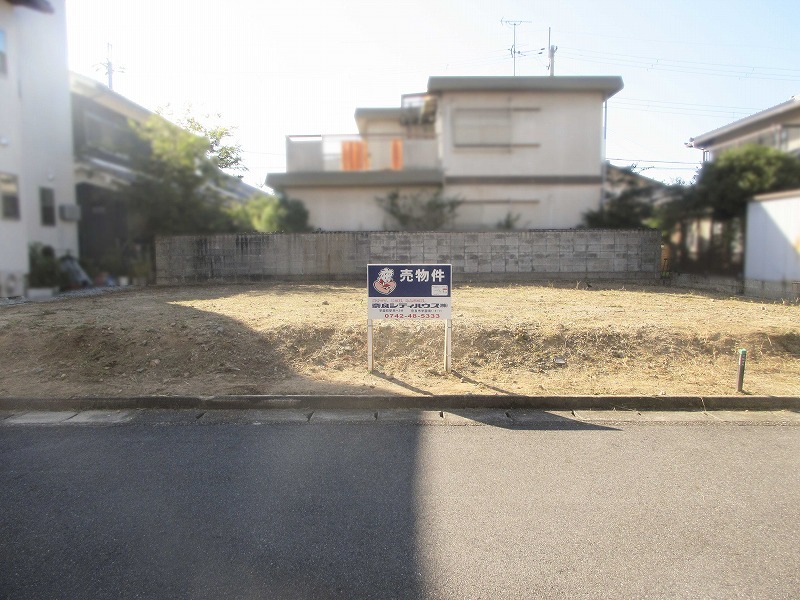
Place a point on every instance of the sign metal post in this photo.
(369, 346)
(448, 344)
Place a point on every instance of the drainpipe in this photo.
(604, 162)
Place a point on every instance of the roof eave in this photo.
(607, 85)
(707, 139)
(279, 181)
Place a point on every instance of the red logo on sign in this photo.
(385, 282)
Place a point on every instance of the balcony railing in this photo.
(315, 153)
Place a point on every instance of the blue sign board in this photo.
(409, 291)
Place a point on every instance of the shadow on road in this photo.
(209, 512)
(468, 379)
(401, 383)
(531, 420)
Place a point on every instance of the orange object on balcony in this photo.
(354, 156)
(397, 155)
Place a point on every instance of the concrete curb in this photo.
(449, 402)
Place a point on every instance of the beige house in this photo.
(36, 166)
(776, 127)
(523, 150)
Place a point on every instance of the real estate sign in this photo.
(420, 292)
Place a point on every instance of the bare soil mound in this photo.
(311, 339)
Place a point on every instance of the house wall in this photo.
(13, 233)
(772, 254)
(347, 209)
(47, 123)
(37, 129)
(558, 134)
(513, 256)
(483, 207)
(763, 133)
(529, 206)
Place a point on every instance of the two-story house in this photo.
(770, 250)
(776, 127)
(522, 150)
(106, 149)
(105, 144)
(37, 190)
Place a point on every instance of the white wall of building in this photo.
(773, 238)
(35, 133)
(346, 209)
(529, 206)
(483, 207)
(46, 124)
(554, 134)
(13, 233)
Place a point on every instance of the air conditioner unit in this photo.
(12, 285)
(69, 212)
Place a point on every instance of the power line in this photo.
(747, 108)
(686, 112)
(680, 66)
(691, 62)
(666, 162)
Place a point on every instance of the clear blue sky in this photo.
(273, 68)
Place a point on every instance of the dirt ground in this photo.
(289, 338)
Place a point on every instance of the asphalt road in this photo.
(162, 506)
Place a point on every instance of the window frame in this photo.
(502, 124)
(6, 196)
(3, 53)
(47, 213)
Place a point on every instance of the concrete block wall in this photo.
(497, 256)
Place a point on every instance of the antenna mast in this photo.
(109, 67)
(551, 54)
(513, 49)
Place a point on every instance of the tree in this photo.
(727, 184)
(272, 214)
(628, 210)
(421, 211)
(720, 194)
(174, 190)
(226, 155)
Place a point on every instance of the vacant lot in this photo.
(293, 338)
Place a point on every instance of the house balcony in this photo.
(354, 153)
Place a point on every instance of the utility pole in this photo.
(551, 54)
(109, 67)
(514, 51)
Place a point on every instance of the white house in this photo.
(772, 255)
(522, 150)
(36, 165)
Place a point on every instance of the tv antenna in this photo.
(110, 68)
(513, 49)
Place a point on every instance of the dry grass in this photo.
(291, 338)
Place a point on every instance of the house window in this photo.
(482, 127)
(495, 127)
(105, 135)
(47, 203)
(9, 192)
(3, 55)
